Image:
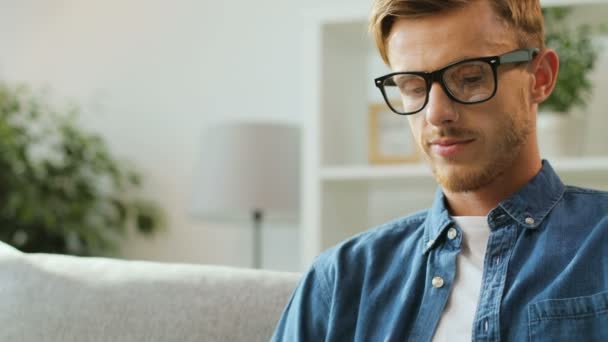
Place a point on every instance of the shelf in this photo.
(355, 173)
(420, 171)
(584, 164)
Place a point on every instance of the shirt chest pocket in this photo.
(570, 319)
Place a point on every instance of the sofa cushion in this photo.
(64, 298)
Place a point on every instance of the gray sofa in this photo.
(47, 297)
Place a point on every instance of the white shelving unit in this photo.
(342, 194)
(420, 171)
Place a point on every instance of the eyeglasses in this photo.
(468, 81)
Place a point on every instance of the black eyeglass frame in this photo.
(515, 56)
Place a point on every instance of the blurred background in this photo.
(151, 77)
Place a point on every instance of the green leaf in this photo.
(578, 56)
(62, 189)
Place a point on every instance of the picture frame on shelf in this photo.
(390, 140)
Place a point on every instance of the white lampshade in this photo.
(247, 167)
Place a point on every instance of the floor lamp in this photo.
(249, 168)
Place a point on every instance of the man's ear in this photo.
(545, 68)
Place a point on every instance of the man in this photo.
(507, 251)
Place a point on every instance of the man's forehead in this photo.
(433, 42)
(432, 56)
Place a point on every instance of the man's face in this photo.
(468, 146)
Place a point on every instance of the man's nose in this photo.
(440, 108)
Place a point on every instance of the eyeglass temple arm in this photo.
(523, 55)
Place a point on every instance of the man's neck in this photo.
(480, 202)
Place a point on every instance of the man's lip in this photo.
(449, 147)
(449, 142)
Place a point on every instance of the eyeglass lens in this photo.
(468, 82)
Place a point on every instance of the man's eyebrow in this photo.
(455, 60)
(460, 59)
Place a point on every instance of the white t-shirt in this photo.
(456, 323)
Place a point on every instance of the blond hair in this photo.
(523, 16)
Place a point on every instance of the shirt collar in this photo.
(529, 206)
(437, 220)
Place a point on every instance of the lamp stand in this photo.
(257, 238)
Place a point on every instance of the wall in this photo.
(150, 75)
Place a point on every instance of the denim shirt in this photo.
(545, 274)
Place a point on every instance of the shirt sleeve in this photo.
(306, 317)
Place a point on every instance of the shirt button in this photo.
(529, 220)
(430, 243)
(437, 282)
(452, 233)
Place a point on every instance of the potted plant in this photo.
(61, 190)
(560, 129)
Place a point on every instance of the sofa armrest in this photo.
(64, 298)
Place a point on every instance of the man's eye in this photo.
(415, 91)
(472, 79)
(412, 86)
